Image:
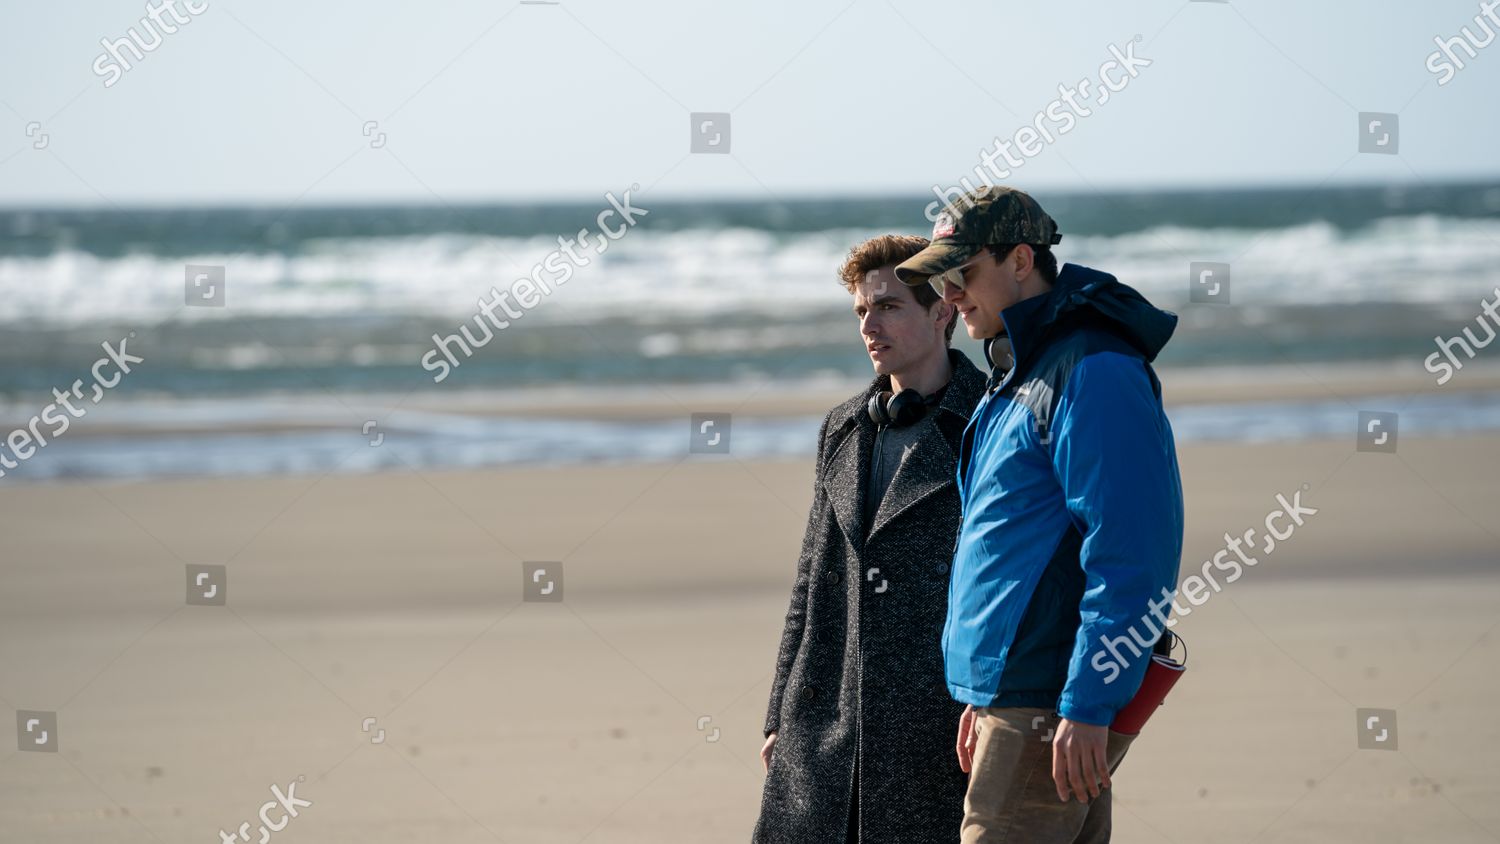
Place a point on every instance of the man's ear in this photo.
(945, 308)
(1024, 257)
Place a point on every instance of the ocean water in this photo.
(329, 440)
(324, 302)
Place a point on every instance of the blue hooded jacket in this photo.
(1072, 507)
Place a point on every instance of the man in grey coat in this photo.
(859, 728)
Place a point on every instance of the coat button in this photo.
(942, 568)
(808, 692)
(832, 576)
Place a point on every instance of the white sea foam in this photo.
(689, 274)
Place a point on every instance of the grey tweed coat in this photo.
(861, 663)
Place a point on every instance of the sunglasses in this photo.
(954, 277)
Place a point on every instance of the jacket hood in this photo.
(1085, 295)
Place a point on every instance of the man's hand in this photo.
(1080, 765)
(765, 752)
(966, 739)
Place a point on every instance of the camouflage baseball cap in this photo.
(988, 215)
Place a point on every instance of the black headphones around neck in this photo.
(907, 407)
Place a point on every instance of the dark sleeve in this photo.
(791, 636)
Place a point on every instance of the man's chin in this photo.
(888, 365)
(982, 332)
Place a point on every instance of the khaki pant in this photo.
(1011, 795)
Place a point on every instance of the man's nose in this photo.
(952, 294)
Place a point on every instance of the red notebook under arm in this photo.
(1161, 675)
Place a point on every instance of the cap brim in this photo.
(939, 256)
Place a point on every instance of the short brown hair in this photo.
(1042, 258)
(883, 251)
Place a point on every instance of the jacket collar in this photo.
(1082, 293)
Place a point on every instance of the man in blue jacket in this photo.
(1072, 519)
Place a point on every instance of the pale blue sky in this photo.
(489, 101)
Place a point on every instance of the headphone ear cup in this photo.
(906, 408)
(877, 409)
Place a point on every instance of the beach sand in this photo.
(631, 710)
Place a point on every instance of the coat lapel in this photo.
(847, 476)
(927, 469)
(932, 464)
